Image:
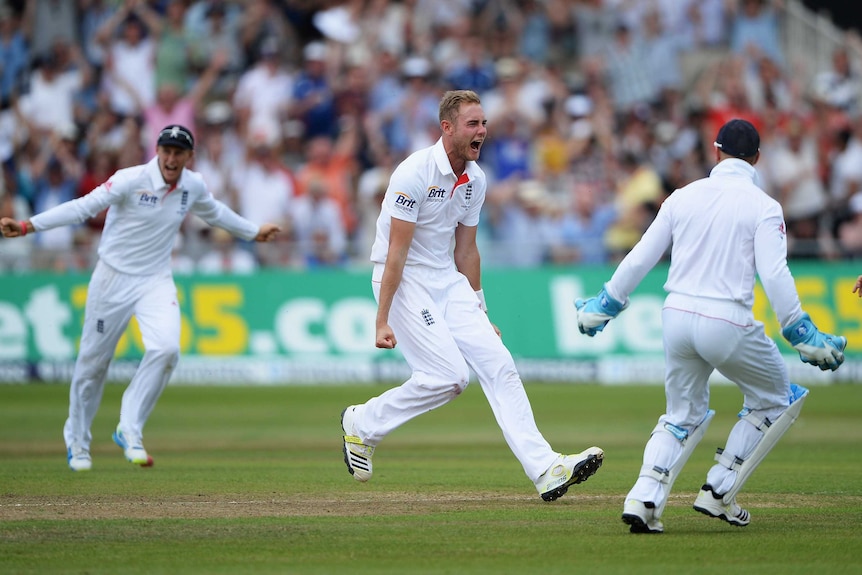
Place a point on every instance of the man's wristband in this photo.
(23, 224)
(481, 295)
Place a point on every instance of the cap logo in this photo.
(173, 135)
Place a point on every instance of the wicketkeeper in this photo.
(723, 231)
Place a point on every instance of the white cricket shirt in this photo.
(144, 217)
(724, 232)
(424, 190)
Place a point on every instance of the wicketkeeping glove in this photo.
(595, 313)
(821, 349)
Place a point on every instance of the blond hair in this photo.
(452, 100)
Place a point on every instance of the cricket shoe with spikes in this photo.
(79, 459)
(133, 449)
(709, 503)
(357, 455)
(640, 517)
(568, 470)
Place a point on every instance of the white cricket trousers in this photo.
(702, 336)
(112, 299)
(443, 333)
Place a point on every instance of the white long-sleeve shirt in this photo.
(144, 217)
(723, 231)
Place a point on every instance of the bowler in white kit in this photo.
(723, 231)
(147, 204)
(431, 304)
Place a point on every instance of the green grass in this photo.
(251, 480)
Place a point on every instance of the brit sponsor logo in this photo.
(436, 194)
(404, 201)
(148, 199)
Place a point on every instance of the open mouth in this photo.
(475, 145)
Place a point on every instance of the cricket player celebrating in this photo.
(430, 301)
(722, 230)
(148, 203)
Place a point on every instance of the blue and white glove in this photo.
(595, 313)
(821, 349)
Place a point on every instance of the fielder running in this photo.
(722, 230)
(148, 203)
(430, 301)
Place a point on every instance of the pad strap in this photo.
(761, 424)
(730, 461)
(658, 473)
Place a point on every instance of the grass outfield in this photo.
(251, 480)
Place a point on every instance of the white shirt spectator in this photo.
(262, 192)
(50, 102)
(317, 218)
(263, 93)
(131, 81)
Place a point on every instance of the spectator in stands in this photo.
(14, 256)
(262, 25)
(768, 88)
(628, 70)
(214, 27)
(263, 95)
(595, 21)
(333, 163)
(846, 175)
(321, 238)
(47, 23)
(473, 69)
(50, 102)
(175, 105)
(841, 84)
(225, 256)
(662, 52)
(754, 31)
(583, 229)
(514, 96)
(53, 186)
(525, 227)
(797, 185)
(93, 15)
(698, 24)
(639, 193)
(313, 102)
(263, 184)
(14, 54)
(129, 78)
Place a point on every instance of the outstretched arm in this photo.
(857, 289)
(400, 238)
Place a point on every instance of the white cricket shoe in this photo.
(357, 455)
(709, 503)
(133, 449)
(79, 459)
(640, 517)
(568, 470)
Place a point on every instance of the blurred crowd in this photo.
(597, 110)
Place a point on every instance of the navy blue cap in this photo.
(738, 138)
(176, 135)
